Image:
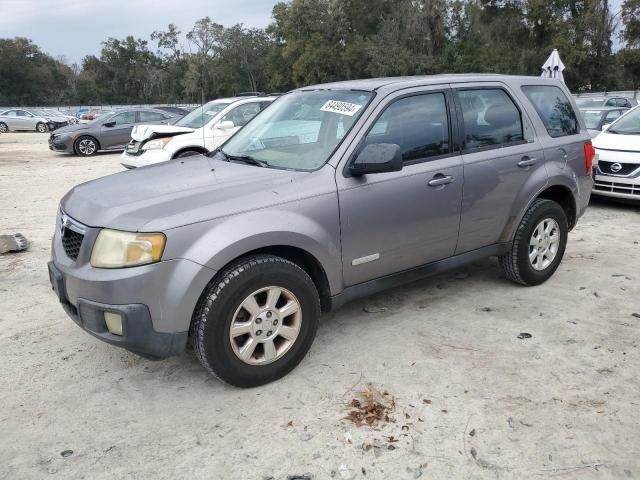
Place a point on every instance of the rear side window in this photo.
(554, 109)
(419, 124)
(151, 117)
(490, 118)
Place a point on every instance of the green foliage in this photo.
(314, 41)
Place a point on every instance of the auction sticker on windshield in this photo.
(343, 108)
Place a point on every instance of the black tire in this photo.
(188, 153)
(515, 263)
(42, 127)
(86, 146)
(211, 323)
(3, 127)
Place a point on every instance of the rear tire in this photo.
(85, 146)
(41, 127)
(538, 245)
(280, 327)
(3, 127)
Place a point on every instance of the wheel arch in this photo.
(193, 148)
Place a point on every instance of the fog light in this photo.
(114, 322)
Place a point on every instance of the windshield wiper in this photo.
(246, 159)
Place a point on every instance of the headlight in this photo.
(115, 249)
(156, 144)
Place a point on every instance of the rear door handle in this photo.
(439, 180)
(526, 162)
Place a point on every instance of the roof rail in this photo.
(251, 94)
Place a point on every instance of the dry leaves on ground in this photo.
(370, 407)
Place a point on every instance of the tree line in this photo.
(314, 41)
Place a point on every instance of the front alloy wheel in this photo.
(86, 146)
(256, 320)
(265, 325)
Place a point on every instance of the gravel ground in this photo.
(472, 400)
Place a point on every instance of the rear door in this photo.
(116, 131)
(500, 153)
(395, 221)
(12, 120)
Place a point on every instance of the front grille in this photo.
(613, 187)
(627, 168)
(71, 242)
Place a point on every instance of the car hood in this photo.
(612, 141)
(181, 192)
(57, 119)
(146, 132)
(73, 128)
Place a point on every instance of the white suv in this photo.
(201, 131)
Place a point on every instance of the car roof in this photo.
(398, 83)
(230, 100)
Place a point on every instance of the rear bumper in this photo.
(147, 157)
(138, 334)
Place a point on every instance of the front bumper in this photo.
(60, 144)
(147, 157)
(156, 301)
(138, 334)
(624, 187)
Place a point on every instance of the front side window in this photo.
(554, 109)
(22, 113)
(419, 124)
(124, 118)
(611, 116)
(490, 118)
(201, 115)
(300, 130)
(241, 115)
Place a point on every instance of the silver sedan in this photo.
(19, 119)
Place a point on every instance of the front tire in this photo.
(86, 146)
(539, 244)
(256, 321)
(41, 127)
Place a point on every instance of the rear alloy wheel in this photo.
(539, 244)
(86, 146)
(3, 128)
(41, 127)
(256, 320)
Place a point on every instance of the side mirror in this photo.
(606, 127)
(109, 124)
(225, 125)
(377, 158)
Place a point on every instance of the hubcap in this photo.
(265, 325)
(86, 147)
(41, 128)
(544, 244)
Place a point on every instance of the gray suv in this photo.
(332, 192)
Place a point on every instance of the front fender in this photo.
(311, 225)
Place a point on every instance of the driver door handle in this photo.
(439, 180)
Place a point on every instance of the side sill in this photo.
(390, 281)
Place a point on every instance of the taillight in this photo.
(589, 154)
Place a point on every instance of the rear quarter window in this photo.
(554, 109)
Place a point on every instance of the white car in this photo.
(618, 158)
(200, 132)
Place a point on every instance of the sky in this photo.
(75, 28)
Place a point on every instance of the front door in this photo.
(240, 116)
(116, 131)
(394, 221)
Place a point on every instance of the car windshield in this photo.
(628, 124)
(592, 118)
(202, 115)
(299, 130)
(589, 102)
(103, 116)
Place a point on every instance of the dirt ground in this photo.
(472, 400)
